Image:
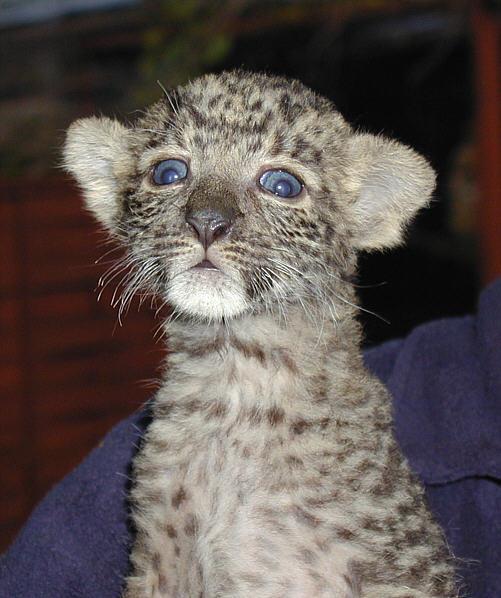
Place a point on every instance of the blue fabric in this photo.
(445, 378)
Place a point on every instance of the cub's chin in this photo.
(207, 294)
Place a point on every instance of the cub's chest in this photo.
(212, 473)
(230, 506)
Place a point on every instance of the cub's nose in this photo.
(210, 225)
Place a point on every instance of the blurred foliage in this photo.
(188, 38)
(30, 137)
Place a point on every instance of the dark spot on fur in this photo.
(287, 361)
(299, 426)
(156, 561)
(324, 470)
(343, 453)
(285, 105)
(353, 581)
(442, 585)
(307, 556)
(262, 125)
(159, 445)
(162, 583)
(322, 545)
(366, 465)
(190, 406)
(179, 497)
(303, 516)
(320, 581)
(217, 409)
(299, 148)
(416, 536)
(152, 496)
(202, 350)
(249, 350)
(294, 461)
(176, 550)
(275, 415)
(163, 409)
(255, 415)
(372, 524)
(255, 146)
(199, 120)
(256, 106)
(386, 486)
(278, 144)
(344, 533)
(329, 234)
(318, 156)
(191, 525)
(215, 101)
(416, 572)
(320, 501)
(171, 532)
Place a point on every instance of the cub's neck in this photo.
(260, 362)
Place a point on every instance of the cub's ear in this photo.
(97, 154)
(391, 183)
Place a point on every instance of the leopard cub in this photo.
(270, 468)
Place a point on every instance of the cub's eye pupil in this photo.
(283, 188)
(170, 176)
(281, 183)
(169, 171)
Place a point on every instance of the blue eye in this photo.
(281, 183)
(169, 171)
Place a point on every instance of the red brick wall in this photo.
(68, 371)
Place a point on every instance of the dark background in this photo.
(426, 73)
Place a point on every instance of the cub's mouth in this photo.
(205, 264)
(208, 291)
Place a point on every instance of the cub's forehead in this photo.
(280, 113)
(238, 93)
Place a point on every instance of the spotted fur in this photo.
(270, 468)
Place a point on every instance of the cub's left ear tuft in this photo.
(96, 153)
(391, 182)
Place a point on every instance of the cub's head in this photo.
(240, 193)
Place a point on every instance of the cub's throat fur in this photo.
(270, 469)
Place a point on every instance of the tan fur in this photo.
(270, 468)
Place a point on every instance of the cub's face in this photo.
(241, 193)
